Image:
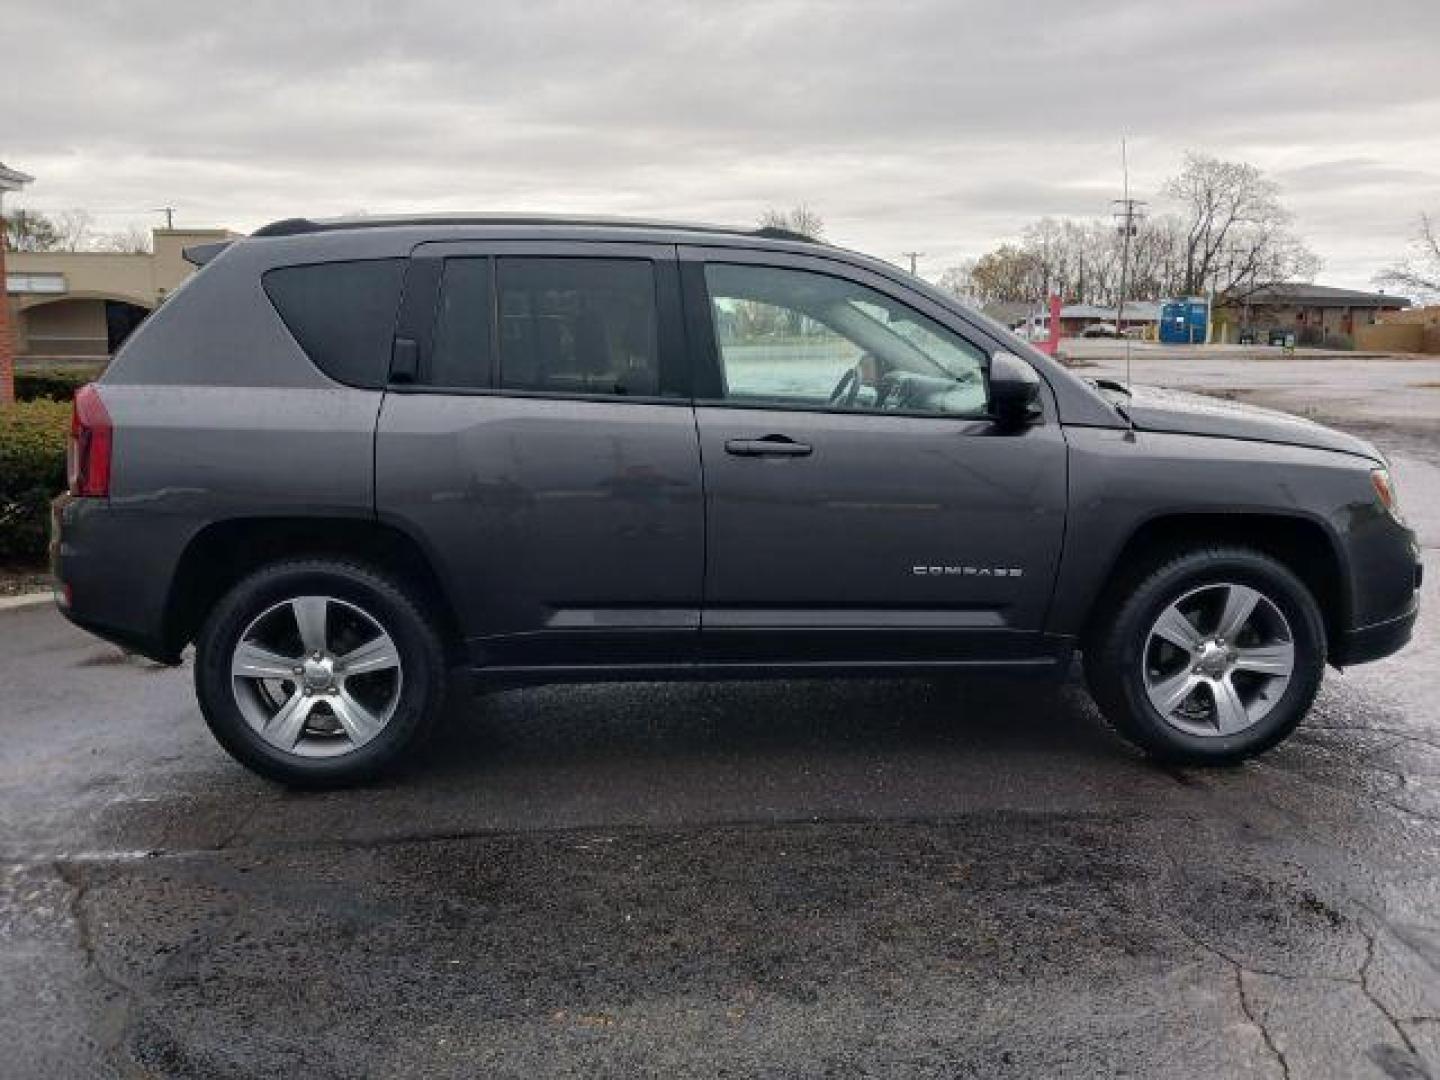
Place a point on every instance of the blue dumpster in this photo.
(1184, 322)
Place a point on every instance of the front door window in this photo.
(797, 339)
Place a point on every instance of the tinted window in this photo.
(342, 314)
(583, 326)
(801, 339)
(462, 351)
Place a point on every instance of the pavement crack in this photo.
(1365, 966)
(76, 878)
(1252, 1016)
(1257, 1023)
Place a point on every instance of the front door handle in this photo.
(769, 446)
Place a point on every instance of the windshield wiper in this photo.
(1119, 388)
(1110, 384)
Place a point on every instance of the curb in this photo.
(26, 600)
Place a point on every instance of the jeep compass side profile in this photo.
(350, 456)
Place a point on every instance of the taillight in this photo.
(87, 457)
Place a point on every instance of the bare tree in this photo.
(1232, 237)
(959, 281)
(1419, 272)
(801, 219)
(75, 228)
(1235, 228)
(70, 230)
(132, 240)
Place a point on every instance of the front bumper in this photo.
(1376, 641)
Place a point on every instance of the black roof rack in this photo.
(770, 232)
(299, 226)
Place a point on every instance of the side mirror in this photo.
(1014, 390)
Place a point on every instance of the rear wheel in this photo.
(318, 673)
(1209, 657)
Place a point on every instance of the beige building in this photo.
(83, 304)
(1414, 331)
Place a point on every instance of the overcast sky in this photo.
(933, 125)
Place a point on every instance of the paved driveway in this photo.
(894, 878)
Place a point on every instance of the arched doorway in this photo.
(89, 328)
(121, 319)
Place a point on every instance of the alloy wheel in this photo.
(1218, 659)
(316, 676)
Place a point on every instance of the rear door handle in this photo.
(769, 446)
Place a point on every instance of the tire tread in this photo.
(1105, 667)
(330, 772)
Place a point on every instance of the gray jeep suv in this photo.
(349, 456)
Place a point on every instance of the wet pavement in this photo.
(804, 878)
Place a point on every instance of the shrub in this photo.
(51, 384)
(32, 472)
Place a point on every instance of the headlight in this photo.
(1385, 492)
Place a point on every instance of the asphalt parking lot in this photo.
(809, 878)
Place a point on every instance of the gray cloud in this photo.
(912, 124)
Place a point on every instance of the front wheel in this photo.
(318, 673)
(1211, 657)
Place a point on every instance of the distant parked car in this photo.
(1100, 330)
(351, 456)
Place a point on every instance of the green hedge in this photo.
(51, 384)
(32, 472)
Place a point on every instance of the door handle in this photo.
(769, 446)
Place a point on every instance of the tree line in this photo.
(1229, 233)
(69, 230)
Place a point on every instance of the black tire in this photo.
(422, 664)
(1114, 653)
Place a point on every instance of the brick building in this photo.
(10, 180)
(1316, 313)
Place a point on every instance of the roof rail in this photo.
(770, 232)
(298, 226)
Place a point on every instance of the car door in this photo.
(538, 440)
(861, 507)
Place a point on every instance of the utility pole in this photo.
(912, 256)
(169, 212)
(1128, 213)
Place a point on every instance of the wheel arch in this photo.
(222, 553)
(1305, 545)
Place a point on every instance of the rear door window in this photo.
(578, 326)
(464, 326)
(342, 314)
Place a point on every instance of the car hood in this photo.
(1153, 409)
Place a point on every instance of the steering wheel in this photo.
(889, 384)
(847, 388)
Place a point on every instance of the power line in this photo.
(107, 211)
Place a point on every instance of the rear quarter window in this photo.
(342, 314)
